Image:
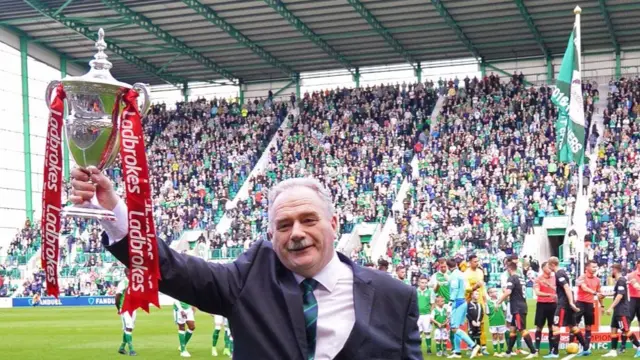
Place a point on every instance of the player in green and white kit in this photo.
(128, 320)
(497, 322)
(401, 274)
(440, 319)
(425, 299)
(228, 338)
(183, 313)
(440, 283)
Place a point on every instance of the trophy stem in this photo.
(87, 212)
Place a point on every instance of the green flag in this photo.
(567, 96)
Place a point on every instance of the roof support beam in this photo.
(62, 7)
(208, 13)
(454, 25)
(84, 31)
(380, 29)
(281, 9)
(532, 26)
(612, 33)
(146, 24)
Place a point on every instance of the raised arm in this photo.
(210, 287)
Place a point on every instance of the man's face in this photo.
(592, 268)
(474, 263)
(423, 284)
(443, 267)
(614, 273)
(546, 270)
(303, 231)
(402, 273)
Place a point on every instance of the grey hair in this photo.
(307, 182)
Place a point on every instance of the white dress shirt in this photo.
(334, 293)
(336, 311)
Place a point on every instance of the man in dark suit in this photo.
(294, 297)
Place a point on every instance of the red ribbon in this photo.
(144, 268)
(52, 194)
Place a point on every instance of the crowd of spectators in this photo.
(199, 156)
(484, 174)
(612, 227)
(487, 175)
(358, 142)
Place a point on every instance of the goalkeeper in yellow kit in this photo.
(474, 277)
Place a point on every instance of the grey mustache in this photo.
(297, 245)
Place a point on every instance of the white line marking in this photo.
(569, 357)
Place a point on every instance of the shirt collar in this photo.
(327, 277)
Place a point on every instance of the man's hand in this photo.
(91, 182)
(609, 311)
(574, 307)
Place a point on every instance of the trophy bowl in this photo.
(94, 106)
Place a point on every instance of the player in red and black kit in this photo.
(633, 280)
(518, 307)
(588, 296)
(620, 308)
(565, 311)
(545, 289)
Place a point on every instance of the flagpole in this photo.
(578, 43)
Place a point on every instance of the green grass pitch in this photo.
(94, 333)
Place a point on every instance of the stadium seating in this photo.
(199, 155)
(612, 216)
(358, 142)
(486, 176)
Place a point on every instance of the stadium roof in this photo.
(231, 41)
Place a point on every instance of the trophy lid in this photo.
(100, 66)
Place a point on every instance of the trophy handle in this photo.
(47, 95)
(143, 90)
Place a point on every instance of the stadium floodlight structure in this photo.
(161, 34)
(281, 9)
(384, 32)
(208, 13)
(86, 32)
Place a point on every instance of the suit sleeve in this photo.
(411, 346)
(212, 288)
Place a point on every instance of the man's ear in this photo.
(269, 235)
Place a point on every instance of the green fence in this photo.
(231, 254)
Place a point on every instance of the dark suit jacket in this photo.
(263, 303)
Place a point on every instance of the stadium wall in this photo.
(599, 67)
(261, 90)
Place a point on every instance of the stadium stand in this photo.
(486, 177)
(358, 142)
(200, 154)
(486, 150)
(612, 232)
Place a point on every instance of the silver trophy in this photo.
(94, 106)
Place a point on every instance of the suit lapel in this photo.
(363, 294)
(293, 299)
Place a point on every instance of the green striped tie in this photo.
(310, 306)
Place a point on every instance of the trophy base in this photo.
(88, 213)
